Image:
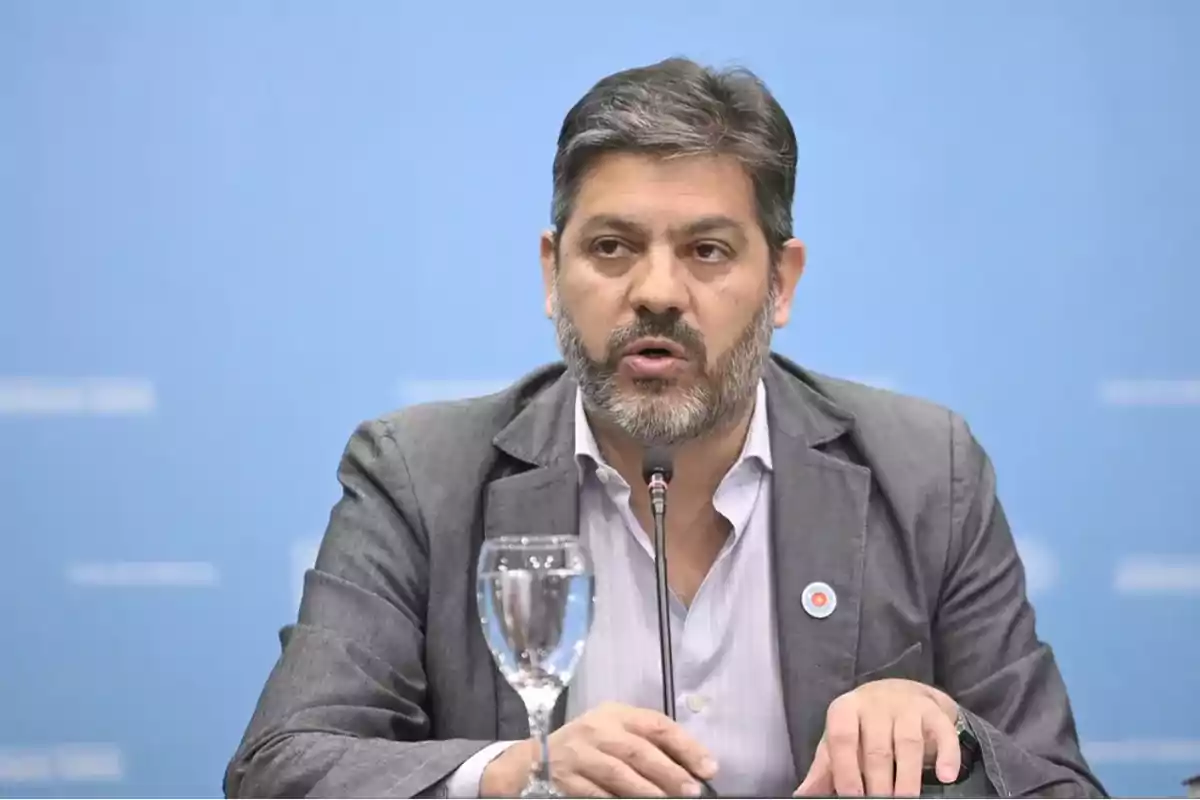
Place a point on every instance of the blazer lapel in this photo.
(536, 501)
(818, 534)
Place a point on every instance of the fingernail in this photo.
(691, 789)
(946, 773)
(708, 768)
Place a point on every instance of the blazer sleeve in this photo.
(343, 711)
(988, 657)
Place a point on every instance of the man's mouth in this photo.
(655, 349)
(653, 359)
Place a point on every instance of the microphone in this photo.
(657, 470)
(658, 467)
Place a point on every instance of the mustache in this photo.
(659, 326)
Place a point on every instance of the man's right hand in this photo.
(611, 751)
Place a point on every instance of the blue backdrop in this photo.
(231, 230)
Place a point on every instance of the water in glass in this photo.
(535, 603)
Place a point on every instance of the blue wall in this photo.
(230, 231)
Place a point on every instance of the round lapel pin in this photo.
(819, 600)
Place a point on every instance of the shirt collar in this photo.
(756, 447)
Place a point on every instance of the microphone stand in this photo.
(658, 507)
(657, 471)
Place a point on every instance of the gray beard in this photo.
(656, 412)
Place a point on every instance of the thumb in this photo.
(819, 780)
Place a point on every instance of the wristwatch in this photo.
(968, 745)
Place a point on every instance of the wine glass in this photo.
(535, 604)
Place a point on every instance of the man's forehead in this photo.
(654, 192)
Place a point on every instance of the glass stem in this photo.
(540, 719)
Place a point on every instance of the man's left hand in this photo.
(879, 737)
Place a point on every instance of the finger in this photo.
(909, 746)
(842, 734)
(878, 759)
(575, 785)
(652, 766)
(670, 737)
(819, 780)
(614, 776)
(949, 754)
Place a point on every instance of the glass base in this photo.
(540, 788)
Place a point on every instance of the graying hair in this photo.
(680, 108)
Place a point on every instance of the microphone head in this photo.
(658, 460)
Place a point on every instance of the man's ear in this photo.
(549, 258)
(790, 268)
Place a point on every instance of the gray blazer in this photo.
(385, 684)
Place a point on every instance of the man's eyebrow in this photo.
(613, 222)
(698, 227)
(711, 224)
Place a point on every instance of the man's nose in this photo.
(659, 282)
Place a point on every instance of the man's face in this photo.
(662, 293)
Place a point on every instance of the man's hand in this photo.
(611, 751)
(879, 737)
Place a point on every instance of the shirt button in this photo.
(697, 703)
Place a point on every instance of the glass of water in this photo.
(535, 605)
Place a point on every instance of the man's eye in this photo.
(610, 248)
(711, 251)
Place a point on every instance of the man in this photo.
(849, 608)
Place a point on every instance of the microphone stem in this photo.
(658, 507)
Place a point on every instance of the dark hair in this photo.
(680, 108)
